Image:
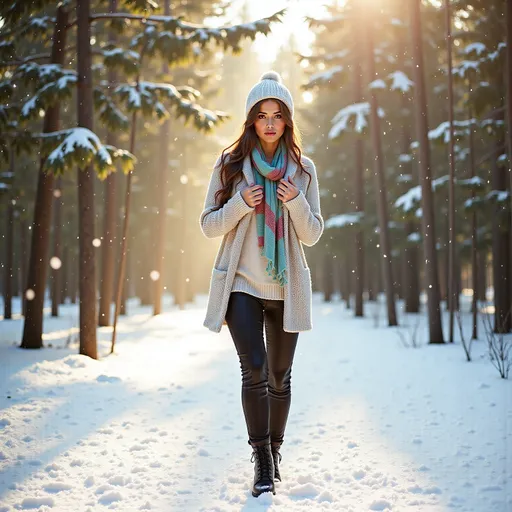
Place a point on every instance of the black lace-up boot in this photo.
(276, 456)
(263, 468)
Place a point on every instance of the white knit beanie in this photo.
(270, 86)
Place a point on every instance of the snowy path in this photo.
(159, 426)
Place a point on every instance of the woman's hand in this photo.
(253, 195)
(287, 190)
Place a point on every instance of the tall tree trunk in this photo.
(428, 220)
(87, 265)
(371, 285)
(381, 192)
(9, 254)
(124, 238)
(508, 84)
(508, 15)
(500, 250)
(16, 257)
(452, 286)
(127, 283)
(327, 277)
(348, 278)
(158, 283)
(482, 275)
(359, 266)
(411, 273)
(474, 227)
(56, 273)
(23, 263)
(65, 275)
(110, 213)
(183, 254)
(40, 244)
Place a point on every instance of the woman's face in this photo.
(269, 124)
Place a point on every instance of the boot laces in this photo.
(264, 460)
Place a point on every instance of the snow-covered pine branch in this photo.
(113, 118)
(331, 76)
(56, 86)
(126, 61)
(344, 220)
(80, 147)
(400, 81)
(397, 80)
(358, 112)
(481, 58)
(333, 57)
(409, 201)
(461, 128)
(149, 97)
(176, 40)
(474, 183)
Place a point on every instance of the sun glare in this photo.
(307, 97)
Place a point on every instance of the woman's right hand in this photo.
(253, 195)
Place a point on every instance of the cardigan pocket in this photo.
(216, 295)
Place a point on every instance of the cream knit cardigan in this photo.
(303, 224)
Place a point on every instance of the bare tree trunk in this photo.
(452, 286)
(500, 251)
(428, 220)
(474, 241)
(73, 280)
(56, 273)
(183, 254)
(327, 277)
(359, 266)
(124, 238)
(381, 192)
(65, 275)
(110, 215)
(126, 286)
(508, 15)
(40, 244)
(370, 275)
(482, 275)
(23, 263)
(158, 285)
(348, 278)
(9, 255)
(87, 266)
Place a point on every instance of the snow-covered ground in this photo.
(159, 426)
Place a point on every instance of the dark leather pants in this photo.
(266, 374)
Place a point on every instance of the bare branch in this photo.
(12, 63)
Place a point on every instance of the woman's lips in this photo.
(270, 133)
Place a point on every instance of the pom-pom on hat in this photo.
(270, 86)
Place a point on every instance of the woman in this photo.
(263, 199)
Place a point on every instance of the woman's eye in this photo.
(278, 116)
(261, 116)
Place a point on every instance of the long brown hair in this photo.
(231, 168)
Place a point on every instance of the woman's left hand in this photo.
(287, 190)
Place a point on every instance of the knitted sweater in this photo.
(303, 224)
(251, 275)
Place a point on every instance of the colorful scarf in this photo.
(269, 213)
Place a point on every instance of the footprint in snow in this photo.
(107, 378)
(31, 503)
(56, 487)
(380, 505)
